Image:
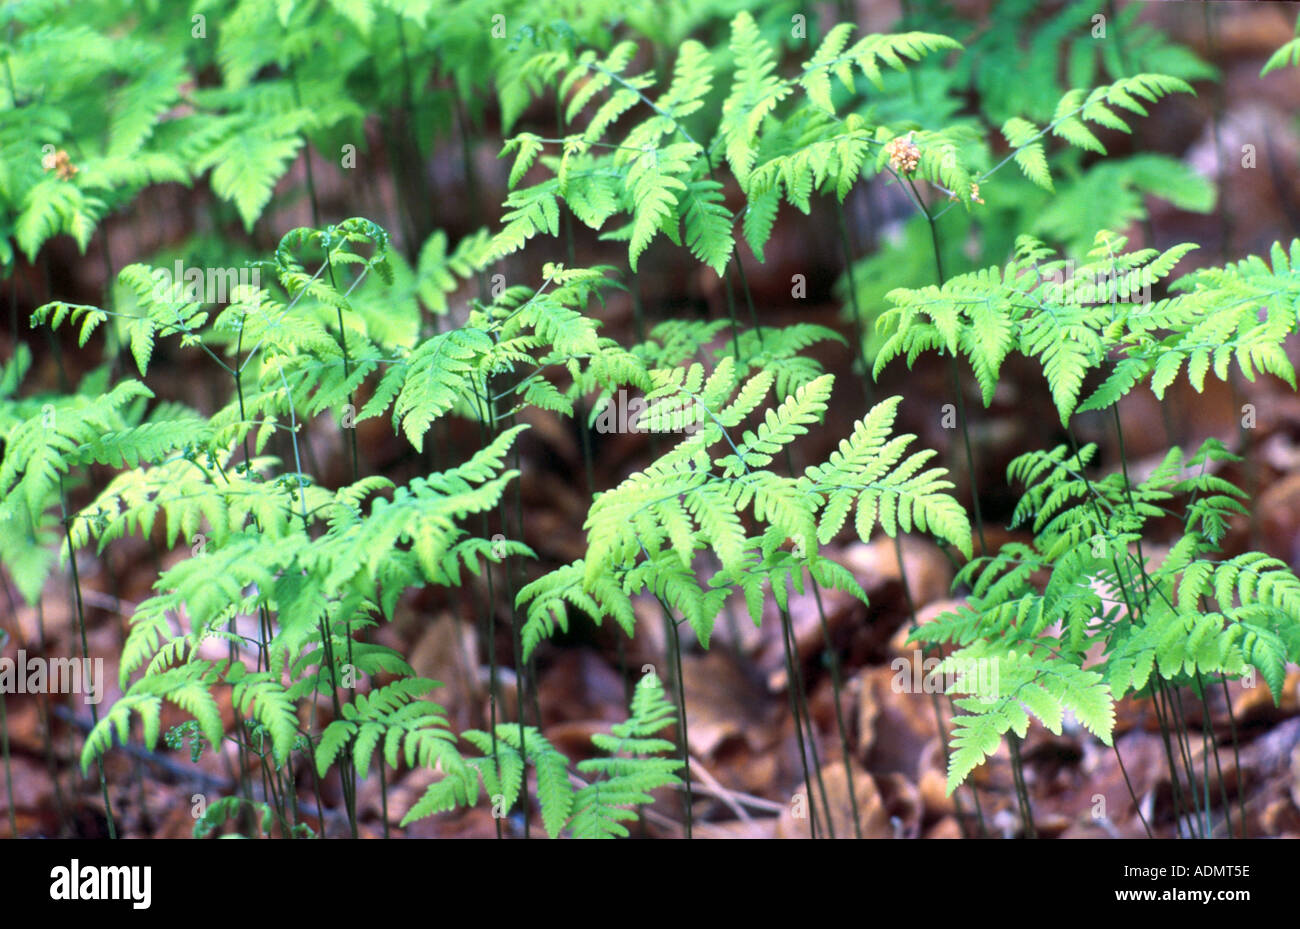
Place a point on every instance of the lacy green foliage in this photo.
(1062, 195)
(317, 566)
(631, 768)
(647, 533)
(1074, 318)
(1242, 312)
(663, 172)
(313, 564)
(285, 576)
(536, 329)
(1109, 194)
(777, 350)
(1184, 620)
(276, 79)
(394, 720)
(1188, 618)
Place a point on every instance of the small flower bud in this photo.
(904, 156)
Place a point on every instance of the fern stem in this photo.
(931, 221)
(1236, 754)
(1175, 783)
(1137, 806)
(1022, 791)
(237, 374)
(799, 694)
(731, 317)
(1203, 797)
(471, 181)
(289, 788)
(869, 397)
(521, 667)
(347, 770)
(1181, 731)
(1206, 739)
(1174, 706)
(315, 780)
(85, 648)
(791, 685)
(494, 693)
(270, 788)
(1216, 125)
(1133, 610)
(383, 797)
(807, 739)
(940, 726)
(859, 337)
(833, 662)
(675, 656)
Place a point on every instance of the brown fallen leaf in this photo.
(946, 828)
(447, 652)
(872, 815)
(1252, 705)
(723, 702)
(928, 613)
(895, 723)
(875, 563)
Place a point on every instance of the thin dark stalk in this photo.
(237, 374)
(791, 686)
(799, 695)
(471, 180)
(1174, 703)
(383, 796)
(1181, 731)
(494, 691)
(940, 727)
(1137, 806)
(85, 649)
(869, 397)
(674, 643)
(833, 663)
(1175, 784)
(1022, 791)
(859, 337)
(1236, 755)
(795, 670)
(959, 398)
(1208, 739)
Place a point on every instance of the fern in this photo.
(1184, 619)
(648, 530)
(624, 779)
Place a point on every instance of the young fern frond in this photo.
(1184, 620)
(645, 534)
(634, 765)
(1073, 324)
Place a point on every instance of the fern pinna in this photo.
(1180, 622)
